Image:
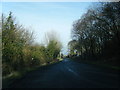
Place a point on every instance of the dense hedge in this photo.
(18, 48)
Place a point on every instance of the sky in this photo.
(43, 17)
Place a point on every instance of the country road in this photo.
(70, 74)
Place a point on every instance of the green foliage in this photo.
(18, 49)
(11, 44)
(72, 46)
(53, 49)
(53, 46)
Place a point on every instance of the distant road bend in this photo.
(70, 74)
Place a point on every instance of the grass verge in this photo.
(8, 80)
(112, 64)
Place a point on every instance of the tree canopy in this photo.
(97, 32)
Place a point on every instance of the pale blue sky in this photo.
(43, 17)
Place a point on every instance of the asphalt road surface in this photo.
(70, 74)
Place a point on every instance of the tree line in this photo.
(18, 49)
(97, 33)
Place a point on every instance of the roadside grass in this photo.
(8, 80)
(14, 76)
(60, 59)
(112, 64)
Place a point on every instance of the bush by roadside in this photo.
(20, 54)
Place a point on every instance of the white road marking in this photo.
(72, 72)
(85, 79)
